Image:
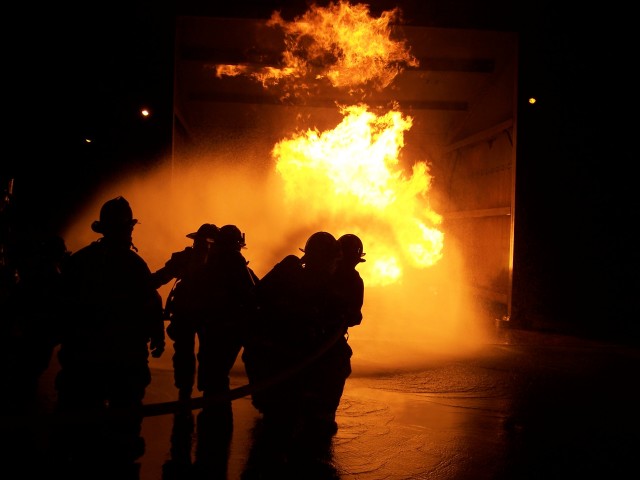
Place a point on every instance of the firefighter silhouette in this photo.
(184, 307)
(297, 321)
(112, 321)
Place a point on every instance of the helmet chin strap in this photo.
(119, 240)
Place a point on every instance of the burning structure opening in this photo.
(349, 123)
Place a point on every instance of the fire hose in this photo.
(164, 408)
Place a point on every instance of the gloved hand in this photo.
(157, 347)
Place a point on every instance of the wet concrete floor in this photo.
(528, 405)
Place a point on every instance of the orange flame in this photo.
(341, 43)
(351, 175)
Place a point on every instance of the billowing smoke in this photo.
(426, 312)
(346, 178)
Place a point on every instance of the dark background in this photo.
(72, 72)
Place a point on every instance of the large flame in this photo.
(352, 173)
(341, 44)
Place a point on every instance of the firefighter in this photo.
(296, 318)
(184, 307)
(37, 314)
(230, 284)
(113, 320)
(327, 377)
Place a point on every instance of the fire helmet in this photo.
(115, 214)
(207, 231)
(321, 246)
(352, 247)
(230, 236)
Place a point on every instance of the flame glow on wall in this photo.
(350, 178)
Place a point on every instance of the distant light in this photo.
(532, 100)
(87, 140)
(145, 112)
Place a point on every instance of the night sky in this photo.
(77, 72)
